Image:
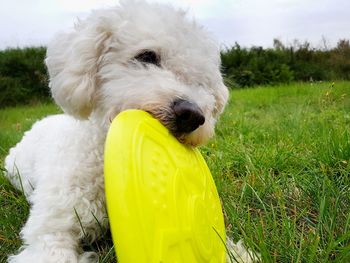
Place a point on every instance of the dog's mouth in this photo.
(181, 118)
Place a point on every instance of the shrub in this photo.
(23, 76)
(246, 67)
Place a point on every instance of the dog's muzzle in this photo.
(188, 116)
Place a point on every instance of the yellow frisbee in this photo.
(162, 202)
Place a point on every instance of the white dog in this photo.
(134, 56)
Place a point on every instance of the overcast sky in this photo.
(248, 22)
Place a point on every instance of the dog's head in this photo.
(140, 56)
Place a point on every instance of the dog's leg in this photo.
(62, 176)
(54, 229)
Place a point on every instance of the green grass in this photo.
(281, 162)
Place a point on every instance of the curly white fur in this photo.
(94, 76)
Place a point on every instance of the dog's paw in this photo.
(88, 257)
(32, 254)
(237, 252)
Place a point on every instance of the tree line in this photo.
(23, 75)
(245, 67)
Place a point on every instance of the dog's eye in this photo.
(149, 57)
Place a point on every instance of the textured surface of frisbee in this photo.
(162, 202)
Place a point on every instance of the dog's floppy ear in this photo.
(72, 61)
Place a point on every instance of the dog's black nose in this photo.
(188, 116)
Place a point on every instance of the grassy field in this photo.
(281, 162)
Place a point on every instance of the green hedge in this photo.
(244, 67)
(23, 76)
